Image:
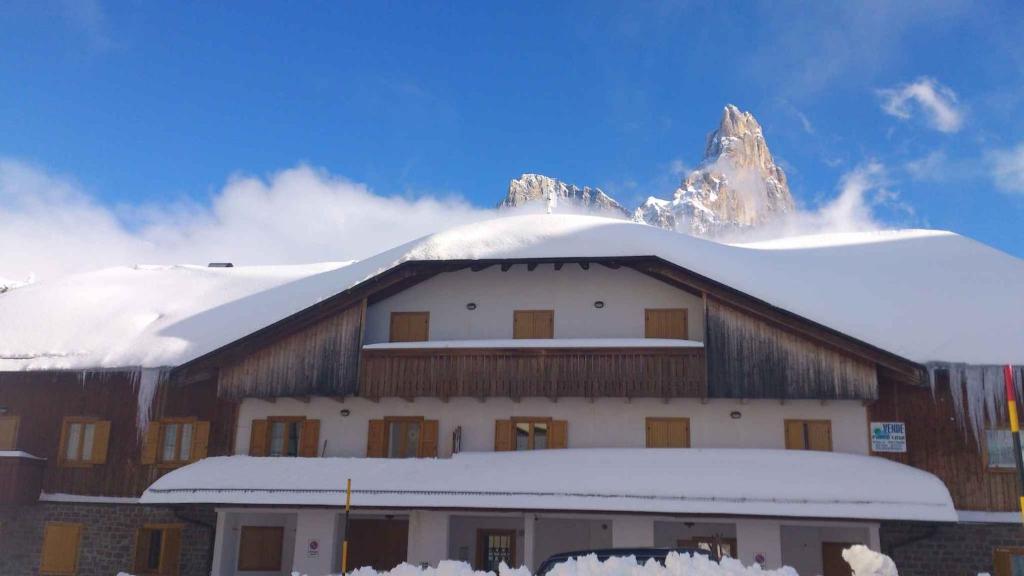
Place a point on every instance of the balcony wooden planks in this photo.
(540, 372)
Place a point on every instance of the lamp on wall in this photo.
(345, 412)
(735, 415)
(599, 304)
(471, 306)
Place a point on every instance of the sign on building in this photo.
(888, 437)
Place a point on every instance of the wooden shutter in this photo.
(142, 541)
(1002, 560)
(309, 439)
(60, 548)
(200, 440)
(533, 324)
(100, 442)
(410, 326)
(665, 323)
(170, 555)
(668, 432)
(9, 432)
(150, 444)
(258, 438)
(819, 435)
(795, 435)
(376, 439)
(428, 439)
(259, 548)
(503, 436)
(558, 434)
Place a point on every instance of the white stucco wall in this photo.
(570, 292)
(603, 423)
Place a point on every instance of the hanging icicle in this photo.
(148, 381)
(977, 394)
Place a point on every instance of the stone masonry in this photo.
(924, 549)
(108, 536)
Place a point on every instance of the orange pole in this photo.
(344, 541)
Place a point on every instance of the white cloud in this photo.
(938, 103)
(931, 167)
(1008, 169)
(50, 226)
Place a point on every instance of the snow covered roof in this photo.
(923, 295)
(783, 483)
(141, 315)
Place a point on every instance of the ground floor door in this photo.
(832, 563)
(494, 547)
(379, 543)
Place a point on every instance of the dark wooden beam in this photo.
(612, 265)
(505, 267)
(531, 266)
(558, 265)
(479, 267)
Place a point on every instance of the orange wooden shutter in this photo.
(8, 432)
(428, 439)
(410, 326)
(533, 324)
(665, 323)
(558, 434)
(60, 548)
(819, 435)
(200, 440)
(150, 443)
(258, 438)
(100, 442)
(170, 556)
(376, 439)
(141, 549)
(503, 436)
(795, 435)
(309, 439)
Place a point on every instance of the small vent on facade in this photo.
(220, 265)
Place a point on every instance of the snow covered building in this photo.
(515, 388)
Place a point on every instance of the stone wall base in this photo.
(108, 536)
(927, 549)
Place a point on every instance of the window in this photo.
(665, 323)
(809, 435)
(9, 432)
(530, 434)
(410, 326)
(1008, 561)
(725, 546)
(84, 442)
(285, 436)
(60, 548)
(259, 548)
(402, 437)
(533, 324)
(176, 442)
(668, 432)
(494, 547)
(173, 442)
(999, 449)
(158, 549)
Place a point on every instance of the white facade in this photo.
(571, 292)
(602, 423)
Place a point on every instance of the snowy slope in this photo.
(731, 481)
(925, 295)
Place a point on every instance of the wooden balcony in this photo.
(552, 368)
(21, 478)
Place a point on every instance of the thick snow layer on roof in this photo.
(541, 343)
(925, 295)
(142, 315)
(698, 481)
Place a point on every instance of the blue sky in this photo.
(148, 108)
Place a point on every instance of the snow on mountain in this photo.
(536, 188)
(737, 185)
(7, 284)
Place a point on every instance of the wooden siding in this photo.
(322, 359)
(21, 480)
(751, 358)
(44, 399)
(937, 443)
(522, 372)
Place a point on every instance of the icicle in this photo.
(148, 379)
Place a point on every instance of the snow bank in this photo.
(925, 295)
(865, 562)
(785, 483)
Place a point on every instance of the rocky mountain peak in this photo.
(537, 188)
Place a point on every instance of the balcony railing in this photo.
(21, 477)
(624, 368)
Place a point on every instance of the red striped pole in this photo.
(1011, 402)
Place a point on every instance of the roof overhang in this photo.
(733, 482)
